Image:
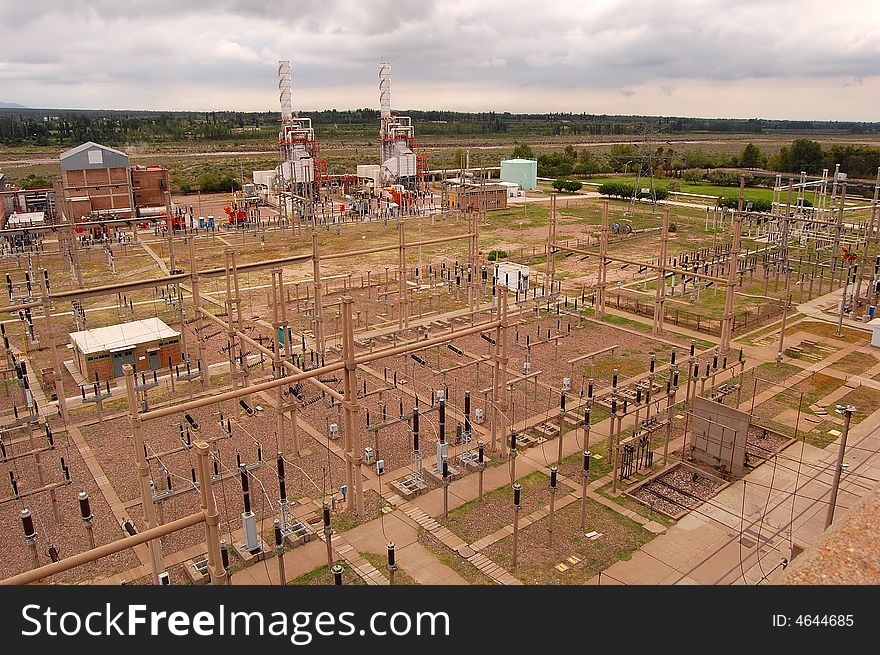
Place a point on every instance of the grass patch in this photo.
(380, 562)
(323, 576)
(454, 561)
(613, 319)
(474, 520)
(856, 363)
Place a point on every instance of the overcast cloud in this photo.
(777, 59)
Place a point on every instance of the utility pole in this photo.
(847, 411)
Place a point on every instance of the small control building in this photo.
(147, 345)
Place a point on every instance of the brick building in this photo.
(95, 180)
(149, 186)
(98, 181)
(477, 197)
(147, 345)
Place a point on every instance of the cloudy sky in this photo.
(796, 59)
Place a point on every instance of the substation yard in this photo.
(530, 363)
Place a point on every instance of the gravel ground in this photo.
(764, 445)
(848, 554)
(69, 535)
(306, 476)
(679, 490)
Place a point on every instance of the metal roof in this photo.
(92, 155)
(26, 218)
(121, 336)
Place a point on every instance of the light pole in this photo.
(626, 165)
(847, 411)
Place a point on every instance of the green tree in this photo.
(573, 186)
(456, 160)
(750, 157)
(805, 155)
(559, 184)
(523, 151)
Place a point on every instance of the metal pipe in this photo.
(105, 550)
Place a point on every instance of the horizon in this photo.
(501, 113)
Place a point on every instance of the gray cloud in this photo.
(189, 54)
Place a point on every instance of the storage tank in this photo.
(520, 171)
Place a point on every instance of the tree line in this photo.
(70, 127)
(857, 161)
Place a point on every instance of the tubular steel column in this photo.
(403, 314)
(732, 266)
(603, 264)
(53, 350)
(205, 375)
(866, 271)
(243, 364)
(230, 332)
(212, 517)
(499, 372)
(277, 364)
(143, 467)
(550, 271)
(354, 450)
(319, 308)
(660, 291)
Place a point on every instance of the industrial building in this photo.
(476, 197)
(523, 172)
(397, 142)
(149, 187)
(148, 344)
(23, 202)
(95, 180)
(99, 181)
(301, 169)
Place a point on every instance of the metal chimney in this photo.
(385, 89)
(284, 89)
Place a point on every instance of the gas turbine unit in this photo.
(397, 143)
(301, 170)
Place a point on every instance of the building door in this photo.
(121, 357)
(154, 360)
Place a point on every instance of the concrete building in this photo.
(147, 345)
(520, 171)
(477, 197)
